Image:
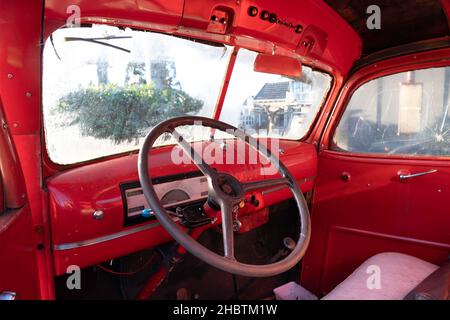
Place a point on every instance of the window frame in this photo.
(411, 62)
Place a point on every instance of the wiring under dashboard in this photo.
(130, 273)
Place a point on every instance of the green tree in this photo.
(124, 113)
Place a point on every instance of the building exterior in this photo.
(276, 107)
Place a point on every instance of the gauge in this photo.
(174, 196)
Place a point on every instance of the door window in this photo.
(405, 113)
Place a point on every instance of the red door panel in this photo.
(373, 212)
(361, 207)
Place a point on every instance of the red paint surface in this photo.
(350, 222)
(20, 29)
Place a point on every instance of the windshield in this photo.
(102, 99)
(105, 87)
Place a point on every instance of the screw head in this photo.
(345, 176)
(98, 214)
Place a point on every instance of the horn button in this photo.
(229, 185)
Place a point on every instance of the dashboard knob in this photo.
(146, 213)
(289, 243)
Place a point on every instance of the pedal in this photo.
(183, 294)
(293, 291)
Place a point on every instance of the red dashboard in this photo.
(80, 237)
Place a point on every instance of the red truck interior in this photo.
(358, 205)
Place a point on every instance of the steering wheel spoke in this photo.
(261, 184)
(227, 229)
(196, 158)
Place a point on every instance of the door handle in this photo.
(405, 176)
(7, 295)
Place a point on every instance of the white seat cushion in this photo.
(399, 274)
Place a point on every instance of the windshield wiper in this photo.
(96, 40)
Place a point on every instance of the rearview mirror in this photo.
(281, 65)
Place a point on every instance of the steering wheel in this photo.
(227, 192)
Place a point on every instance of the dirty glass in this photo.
(267, 105)
(104, 87)
(405, 113)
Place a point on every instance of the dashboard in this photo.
(98, 211)
(173, 191)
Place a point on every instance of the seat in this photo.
(398, 273)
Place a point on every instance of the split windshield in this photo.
(104, 88)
